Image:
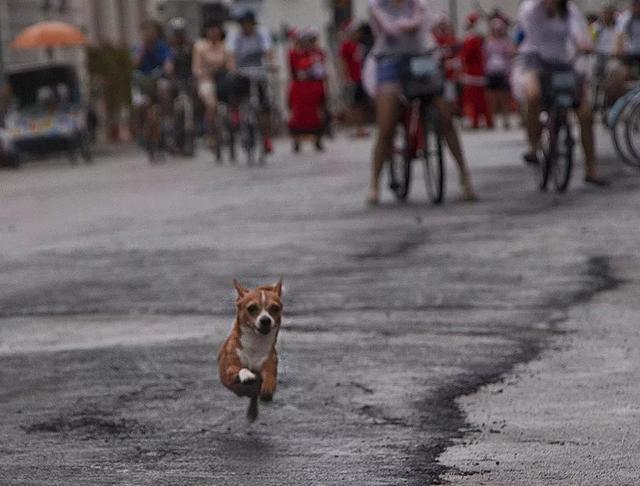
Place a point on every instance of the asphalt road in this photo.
(116, 293)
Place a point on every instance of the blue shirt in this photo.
(154, 58)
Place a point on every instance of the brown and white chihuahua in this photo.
(248, 361)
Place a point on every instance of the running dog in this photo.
(248, 361)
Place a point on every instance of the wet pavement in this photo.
(117, 292)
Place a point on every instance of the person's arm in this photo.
(169, 63)
(166, 58)
(579, 30)
(230, 61)
(621, 38)
(527, 25)
(196, 62)
(269, 54)
(395, 27)
(138, 56)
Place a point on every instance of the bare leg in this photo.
(387, 114)
(453, 141)
(503, 108)
(532, 116)
(616, 84)
(493, 102)
(211, 107)
(585, 116)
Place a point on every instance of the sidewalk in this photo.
(571, 417)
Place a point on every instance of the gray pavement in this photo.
(116, 283)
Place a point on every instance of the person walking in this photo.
(474, 99)
(351, 53)
(499, 53)
(308, 91)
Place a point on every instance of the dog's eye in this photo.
(274, 309)
(253, 309)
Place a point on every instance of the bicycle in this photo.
(623, 120)
(151, 121)
(420, 136)
(250, 127)
(560, 93)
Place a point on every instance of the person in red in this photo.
(351, 59)
(308, 94)
(473, 75)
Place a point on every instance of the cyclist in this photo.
(627, 47)
(211, 60)
(554, 30)
(181, 48)
(401, 28)
(252, 49)
(152, 59)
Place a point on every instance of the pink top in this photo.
(498, 52)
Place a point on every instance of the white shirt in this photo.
(388, 21)
(605, 40)
(554, 39)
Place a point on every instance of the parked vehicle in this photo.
(46, 114)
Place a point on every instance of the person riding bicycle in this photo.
(627, 48)
(403, 28)
(152, 60)
(211, 61)
(252, 51)
(554, 30)
(181, 49)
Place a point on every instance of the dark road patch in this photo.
(88, 426)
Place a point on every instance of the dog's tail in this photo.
(252, 411)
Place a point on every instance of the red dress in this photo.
(473, 95)
(307, 94)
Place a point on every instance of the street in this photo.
(474, 343)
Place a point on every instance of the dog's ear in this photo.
(242, 291)
(277, 288)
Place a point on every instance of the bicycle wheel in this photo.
(231, 142)
(618, 118)
(433, 156)
(399, 164)
(183, 136)
(249, 142)
(563, 165)
(632, 134)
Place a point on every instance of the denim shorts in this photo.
(388, 70)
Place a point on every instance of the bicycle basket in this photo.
(564, 81)
(421, 76)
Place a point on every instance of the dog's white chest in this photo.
(255, 350)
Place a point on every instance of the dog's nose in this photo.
(265, 324)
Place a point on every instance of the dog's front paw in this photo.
(246, 376)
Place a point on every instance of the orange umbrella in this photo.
(49, 34)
